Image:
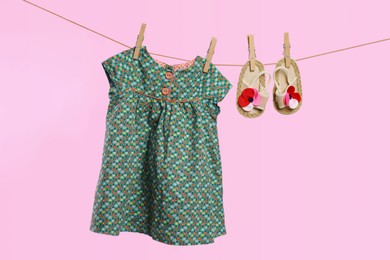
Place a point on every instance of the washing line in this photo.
(217, 64)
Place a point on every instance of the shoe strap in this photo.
(289, 76)
(258, 75)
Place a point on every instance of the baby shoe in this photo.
(287, 92)
(252, 94)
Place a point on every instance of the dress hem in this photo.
(208, 241)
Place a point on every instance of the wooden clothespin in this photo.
(210, 53)
(286, 51)
(252, 55)
(140, 39)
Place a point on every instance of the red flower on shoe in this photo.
(249, 99)
(292, 98)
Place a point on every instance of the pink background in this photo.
(311, 186)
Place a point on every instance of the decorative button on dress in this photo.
(161, 172)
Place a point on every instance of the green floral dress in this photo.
(161, 171)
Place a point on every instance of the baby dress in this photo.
(161, 171)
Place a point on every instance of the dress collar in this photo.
(155, 72)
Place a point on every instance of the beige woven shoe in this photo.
(252, 94)
(287, 92)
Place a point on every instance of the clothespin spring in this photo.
(254, 53)
(284, 50)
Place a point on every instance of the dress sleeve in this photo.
(219, 85)
(110, 74)
(117, 69)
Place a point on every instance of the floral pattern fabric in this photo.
(161, 172)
